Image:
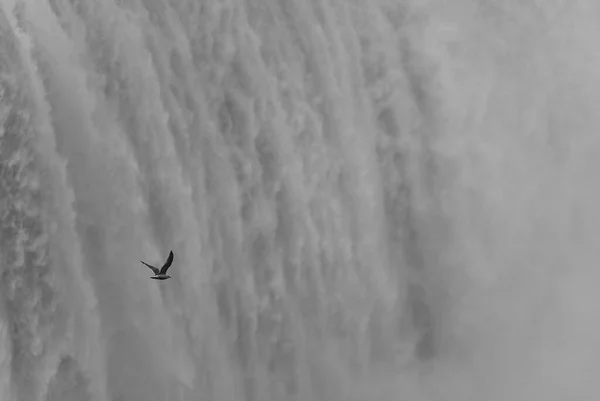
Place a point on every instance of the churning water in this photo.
(367, 200)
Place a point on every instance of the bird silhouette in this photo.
(162, 273)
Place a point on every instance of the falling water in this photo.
(367, 200)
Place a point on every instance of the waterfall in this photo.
(367, 200)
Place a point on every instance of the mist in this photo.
(382, 200)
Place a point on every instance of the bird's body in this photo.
(161, 277)
(162, 273)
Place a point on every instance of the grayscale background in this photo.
(368, 200)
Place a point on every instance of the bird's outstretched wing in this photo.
(167, 264)
(154, 269)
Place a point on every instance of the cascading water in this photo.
(377, 200)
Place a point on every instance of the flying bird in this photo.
(162, 273)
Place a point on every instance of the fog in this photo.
(367, 200)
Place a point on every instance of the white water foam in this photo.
(384, 200)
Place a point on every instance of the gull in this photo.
(162, 273)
